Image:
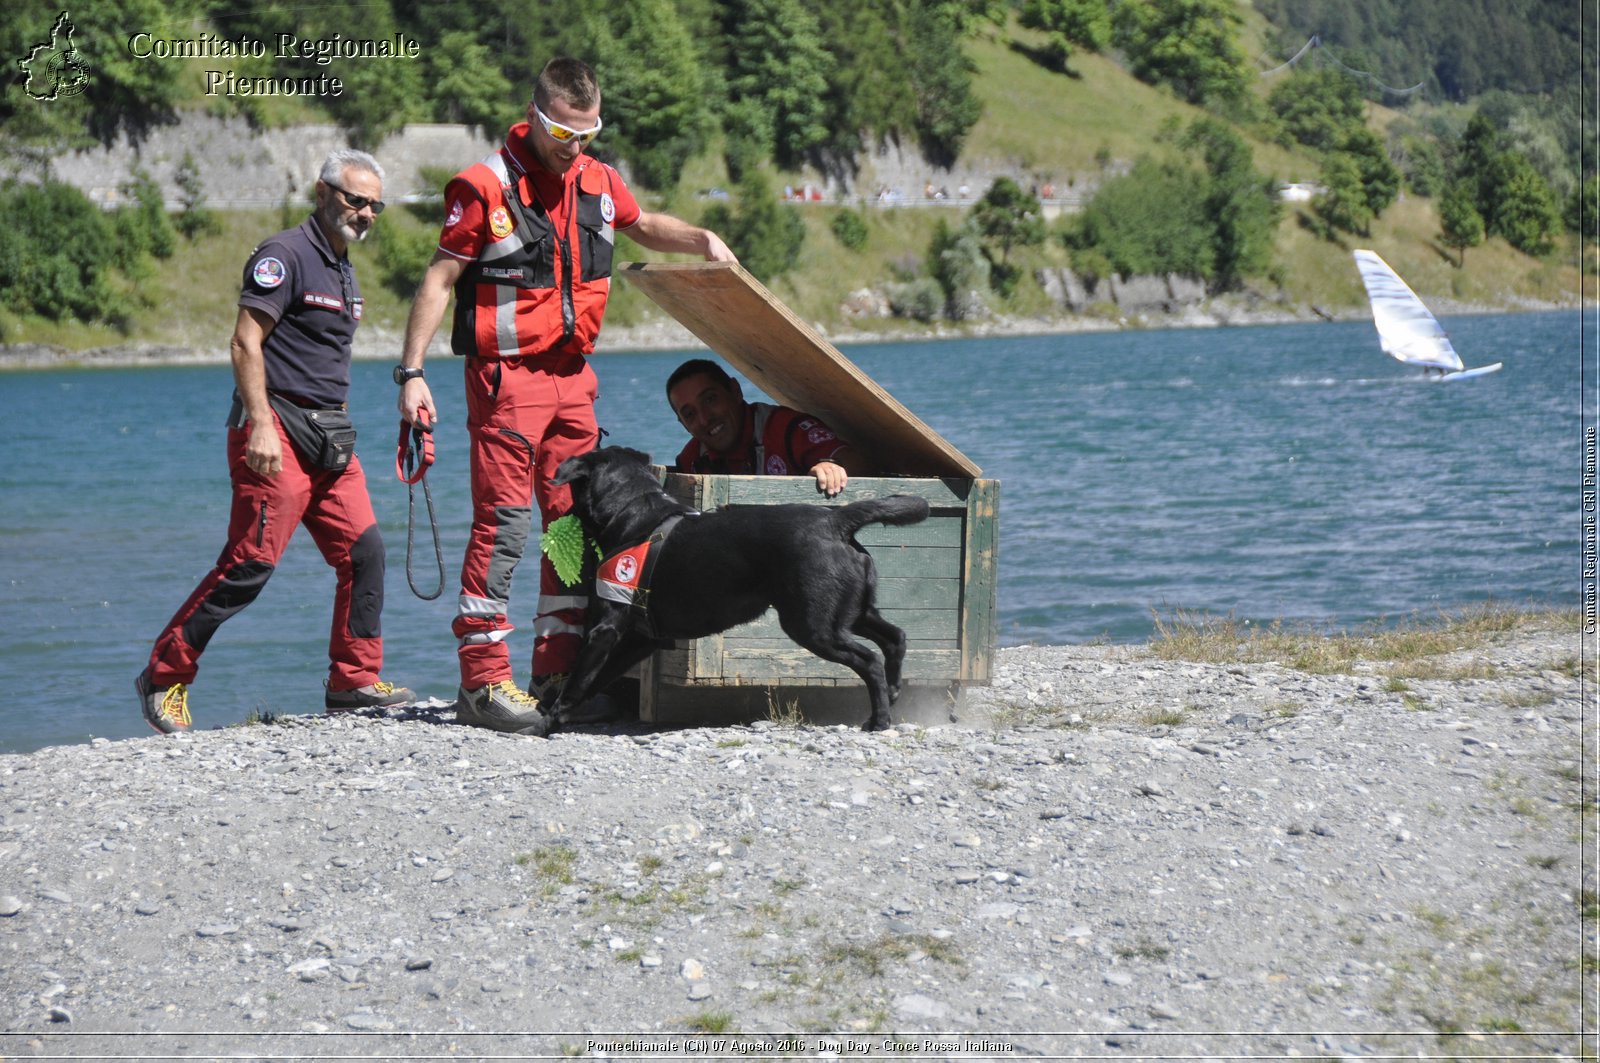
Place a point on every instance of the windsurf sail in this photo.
(1406, 330)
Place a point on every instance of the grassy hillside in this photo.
(1069, 129)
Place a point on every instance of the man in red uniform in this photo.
(298, 312)
(527, 247)
(735, 437)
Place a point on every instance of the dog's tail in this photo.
(896, 509)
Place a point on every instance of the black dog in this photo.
(707, 572)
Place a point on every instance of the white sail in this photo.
(1406, 330)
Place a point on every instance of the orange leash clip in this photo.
(416, 448)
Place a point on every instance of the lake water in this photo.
(1278, 472)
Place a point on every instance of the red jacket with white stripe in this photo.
(539, 249)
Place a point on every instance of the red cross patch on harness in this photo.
(618, 577)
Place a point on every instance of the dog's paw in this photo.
(543, 727)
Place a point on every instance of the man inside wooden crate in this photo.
(733, 437)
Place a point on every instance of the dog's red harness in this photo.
(624, 577)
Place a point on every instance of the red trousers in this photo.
(525, 416)
(336, 510)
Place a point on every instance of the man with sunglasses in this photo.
(298, 313)
(526, 249)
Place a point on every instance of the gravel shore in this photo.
(1107, 855)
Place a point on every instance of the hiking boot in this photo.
(165, 708)
(600, 708)
(501, 706)
(375, 695)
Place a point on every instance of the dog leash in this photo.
(411, 465)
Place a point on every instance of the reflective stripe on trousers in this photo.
(525, 416)
(336, 510)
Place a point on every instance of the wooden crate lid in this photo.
(735, 315)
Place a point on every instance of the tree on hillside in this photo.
(1008, 217)
(957, 261)
(1148, 221)
(1460, 48)
(1318, 108)
(1583, 208)
(195, 219)
(746, 138)
(1238, 200)
(780, 62)
(520, 36)
(1208, 213)
(1508, 192)
(863, 39)
(379, 98)
(941, 76)
(97, 89)
(1524, 211)
(1343, 203)
(468, 86)
(1380, 178)
(53, 259)
(1475, 157)
(654, 90)
(141, 224)
(1460, 224)
(1189, 45)
(1583, 217)
(766, 234)
(1420, 162)
(973, 13)
(1086, 23)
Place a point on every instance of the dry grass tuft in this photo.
(1407, 648)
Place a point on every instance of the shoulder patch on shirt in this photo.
(608, 207)
(500, 223)
(457, 209)
(269, 273)
(776, 466)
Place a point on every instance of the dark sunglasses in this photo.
(357, 202)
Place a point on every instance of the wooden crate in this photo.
(936, 581)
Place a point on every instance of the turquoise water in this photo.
(1274, 472)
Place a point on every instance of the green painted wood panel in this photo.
(920, 625)
(979, 581)
(760, 666)
(947, 531)
(937, 581)
(772, 490)
(916, 593)
(919, 562)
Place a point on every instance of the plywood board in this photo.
(735, 315)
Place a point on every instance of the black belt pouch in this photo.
(325, 438)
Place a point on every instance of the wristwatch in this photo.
(402, 374)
